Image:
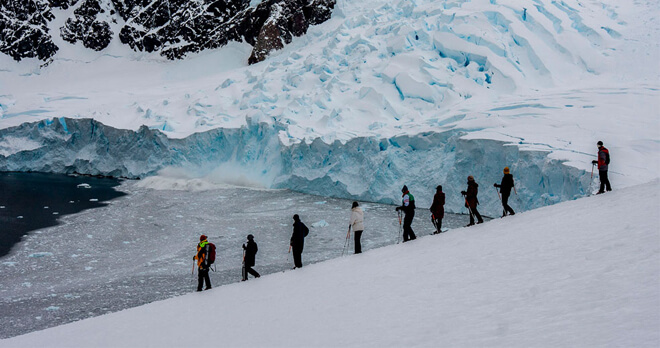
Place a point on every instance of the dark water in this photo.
(31, 201)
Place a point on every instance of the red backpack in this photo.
(210, 253)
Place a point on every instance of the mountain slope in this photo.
(581, 273)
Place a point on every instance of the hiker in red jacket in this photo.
(603, 163)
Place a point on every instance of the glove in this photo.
(244, 246)
(494, 185)
(463, 193)
(398, 208)
(594, 162)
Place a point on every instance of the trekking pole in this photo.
(346, 242)
(591, 180)
(398, 237)
(192, 272)
(469, 209)
(243, 269)
(504, 212)
(434, 224)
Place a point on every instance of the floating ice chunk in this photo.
(321, 202)
(90, 236)
(26, 284)
(93, 199)
(56, 213)
(2, 207)
(321, 223)
(41, 254)
(10, 263)
(53, 308)
(19, 217)
(88, 268)
(46, 207)
(83, 185)
(72, 202)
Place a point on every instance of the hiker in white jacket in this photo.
(357, 223)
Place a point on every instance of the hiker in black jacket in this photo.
(471, 200)
(250, 255)
(505, 189)
(300, 231)
(408, 207)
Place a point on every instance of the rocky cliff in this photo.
(172, 28)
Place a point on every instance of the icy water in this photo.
(138, 249)
(31, 201)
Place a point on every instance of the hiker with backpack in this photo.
(357, 223)
(438, 209)
(408, 207)
(205, 257)
(249, 256)
(505, 189)
(471, 200)
(300, 231)
(603, 164)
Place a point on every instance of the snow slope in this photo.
(581, 273)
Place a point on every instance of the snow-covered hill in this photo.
(384, 93)
(584, 273)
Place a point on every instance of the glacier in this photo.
(382, 94)
(363, 168)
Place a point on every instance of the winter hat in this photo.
(355, 205)
(404, 189)
(439, 188)
(202, 237)
(470, 178)
(599, 143)
(296, 217)
(506, 170)
(250, 237)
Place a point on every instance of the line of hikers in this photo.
(205, 255)
(206, 251)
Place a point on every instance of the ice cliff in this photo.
(364, 168)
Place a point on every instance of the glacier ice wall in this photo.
(364, 168)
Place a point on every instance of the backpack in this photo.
(210, 253)
(411, 201)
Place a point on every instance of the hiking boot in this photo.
(208, 288)
(599, 192)
(470, 224)
(199, 290)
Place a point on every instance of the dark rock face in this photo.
(84, 26)
(24, 31)
(173, 28)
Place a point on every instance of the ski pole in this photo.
(243, 269)
(398, 237)
(504, 212)
(348, 235)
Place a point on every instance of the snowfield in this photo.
(584, 273)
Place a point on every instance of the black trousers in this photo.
(408, 233)
(438, 224)
(505, 204)
(604, 181)
(473, 212)
(297, 257)
(203, 276)
(250, 270)
(358, 247)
